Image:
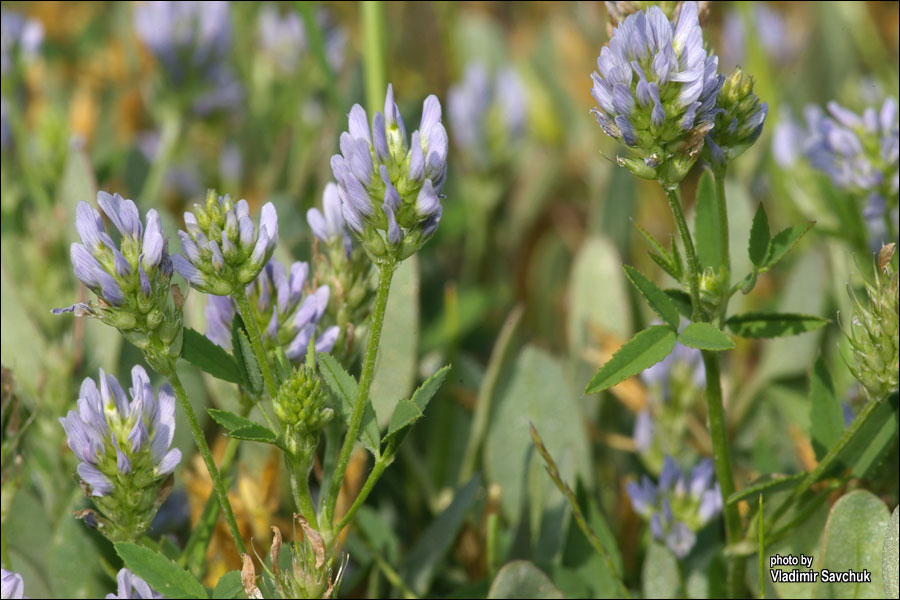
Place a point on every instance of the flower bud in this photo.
(873, 331)
(223, 251)
(739, 121)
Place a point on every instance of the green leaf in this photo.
(598, 295)
(521, 579)
(767, 484)
(705, 336)
(241, 428)
(855, 521)
(656, 298)
(707, 236)
(251, 374)
(395, 371)
(409, 411)
(826, 417)
(209, 357)
(425, 556)
(758, 248)
(160, 573)
(229, 586)
(769, 325)
(538, 390)
(344, 388)
(870, 443)
(642, 351)
(659, 254)
(889, 556)
(784, 242)
(682, 301)
(660, 576)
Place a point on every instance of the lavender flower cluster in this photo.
(656, 88)
(286, 315)
(191, 41)
(859, 153)
(390, 187)
(679, 505)
(124, 447)
(487, 114)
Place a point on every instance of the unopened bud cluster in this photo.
(873, 331)
(223, 250)
(739, 121)
(301, 407)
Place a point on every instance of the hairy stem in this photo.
(256, 342)
(299, 474)
(373, 57)
(385, 274)
(202, 446)
(722, 459)
(376, 473)
(693, 267)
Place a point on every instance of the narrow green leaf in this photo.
(243, 351)
(659, 254)
(344, 388)
(209, 357)
(767, 484)
(241, 428)
(229, 586)
(409, 411)
(656, 298)
(707, 236)
(784, 242)
(521, 579)
(665, 265)
(160, 573)
(768, 325)
(826, 417)
(677, 261)
(855, 521)
(705, 336)
(759, 237)
(682, 300)
(642, 351)
(872, 441)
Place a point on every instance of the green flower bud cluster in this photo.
(301, 407)
(873, 332)
(739, 121)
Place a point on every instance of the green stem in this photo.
(380, 465)
(208, 459)
(722, 459)
(168, 138)
(724, 254)
(202, 533)
(373, 56)
(256, 342)
(299, 474)
(674, 197)
(385, 274)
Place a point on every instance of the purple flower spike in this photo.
(379, 175)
